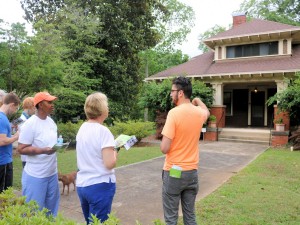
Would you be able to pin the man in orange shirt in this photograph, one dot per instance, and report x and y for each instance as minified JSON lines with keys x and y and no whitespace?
{"x":180,"y":143}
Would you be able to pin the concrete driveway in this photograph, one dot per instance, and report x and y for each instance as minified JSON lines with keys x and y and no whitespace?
{"x":138,"y":196}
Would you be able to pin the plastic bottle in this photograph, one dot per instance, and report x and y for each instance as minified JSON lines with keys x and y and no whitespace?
{"x":60,"y":140}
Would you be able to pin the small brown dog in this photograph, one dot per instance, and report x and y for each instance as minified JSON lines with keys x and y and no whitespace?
{"x":67,"y":179}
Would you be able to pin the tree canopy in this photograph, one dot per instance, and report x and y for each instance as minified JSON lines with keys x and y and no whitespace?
{"x":86,"y":46}
{"x":282,"y":11}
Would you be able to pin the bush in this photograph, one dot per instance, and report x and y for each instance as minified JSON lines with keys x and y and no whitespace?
{"x":139,"y":129}
{"x":69,"y":130}
{"x":14,"y":210}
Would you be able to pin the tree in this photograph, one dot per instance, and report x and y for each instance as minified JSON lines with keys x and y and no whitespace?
{"x":207,"y":34}
{"x":13,"y":38}
{"x":120,"y":31}
{"x":154,"y":61}
{"x":282,"y":11}
{"x":156,"y":96}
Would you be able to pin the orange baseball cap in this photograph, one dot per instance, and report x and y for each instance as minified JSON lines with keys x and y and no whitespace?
{"x":43,"y":96}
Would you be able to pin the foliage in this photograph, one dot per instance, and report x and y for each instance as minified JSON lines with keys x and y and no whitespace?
{"x":29,"y":64}
{"x":289,"y":99}
{"x":282,"y":11}
{"x":208,"y":34}
{"x":138,"y":128}
{"x":69,"y":130}
{"x":154,"y":61}
{"x":100,"y":41}
{"x":265,"y":192}
{"x":156,"y":96}
{"x":70,"y":104}
{"x":212,"y":118}
{"x":14,"y":210}
{"x":279,"y":120}
{"x":174,"y":26}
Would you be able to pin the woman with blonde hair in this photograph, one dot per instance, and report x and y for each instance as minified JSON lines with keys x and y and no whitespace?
{"x":28,"y":110}
{"x":96,"y":158}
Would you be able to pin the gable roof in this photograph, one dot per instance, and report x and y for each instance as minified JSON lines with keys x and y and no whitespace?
{"x":204,"y":66}
{"x":256,"y":29}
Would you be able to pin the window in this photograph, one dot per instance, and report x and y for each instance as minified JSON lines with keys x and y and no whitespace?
{"x":227,"y":100}
{"x":268,"y":48}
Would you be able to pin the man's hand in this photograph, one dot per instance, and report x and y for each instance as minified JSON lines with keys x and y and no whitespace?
{"x":198,"y":102}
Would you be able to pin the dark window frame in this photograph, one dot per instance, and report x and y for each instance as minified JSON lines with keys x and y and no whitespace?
{"x":249,"y":50}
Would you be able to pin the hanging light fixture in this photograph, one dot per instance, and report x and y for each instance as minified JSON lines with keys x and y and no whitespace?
{"x":255,"y":89}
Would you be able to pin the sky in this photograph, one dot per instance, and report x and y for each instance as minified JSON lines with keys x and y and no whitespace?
{"x":208,"y":13}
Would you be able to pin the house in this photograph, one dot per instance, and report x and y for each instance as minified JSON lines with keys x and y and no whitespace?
{"x":247,"y":64}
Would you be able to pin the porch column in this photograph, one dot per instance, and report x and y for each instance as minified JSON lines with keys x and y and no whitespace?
{"x":281,"y":138}
{"x":281,"y":85}
{"x":218,"y":109}
{"x":218,"y":94}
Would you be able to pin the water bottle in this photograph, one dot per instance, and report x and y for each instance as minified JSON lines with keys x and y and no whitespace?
{"x":60,"y":140}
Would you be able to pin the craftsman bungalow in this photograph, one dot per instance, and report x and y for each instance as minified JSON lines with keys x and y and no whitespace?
{"x":247,"y":64}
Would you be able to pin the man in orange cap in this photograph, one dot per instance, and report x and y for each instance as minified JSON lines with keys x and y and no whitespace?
{"x":37,"y":137}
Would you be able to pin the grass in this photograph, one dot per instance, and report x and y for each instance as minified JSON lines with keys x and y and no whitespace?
{"x":266,"y":192}
{"x":66,"y":161}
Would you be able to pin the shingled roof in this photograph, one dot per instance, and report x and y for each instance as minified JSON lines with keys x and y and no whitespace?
{"x":254,"y":27}
{"x":205,"y":66}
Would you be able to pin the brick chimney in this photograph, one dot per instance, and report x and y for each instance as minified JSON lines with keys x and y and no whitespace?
{"x":238,"y":18}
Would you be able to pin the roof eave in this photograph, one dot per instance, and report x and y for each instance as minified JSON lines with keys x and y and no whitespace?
{"x":212,"y":42}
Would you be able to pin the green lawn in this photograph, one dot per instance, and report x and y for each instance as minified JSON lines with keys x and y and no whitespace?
{"x":266,"y":192}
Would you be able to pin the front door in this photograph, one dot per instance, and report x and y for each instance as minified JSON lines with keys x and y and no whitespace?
{"x":257,"y":108}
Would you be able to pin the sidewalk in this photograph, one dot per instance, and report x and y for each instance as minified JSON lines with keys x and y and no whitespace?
{"x":138,"y":196}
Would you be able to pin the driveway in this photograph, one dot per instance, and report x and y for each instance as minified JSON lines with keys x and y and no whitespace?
{"x":138,"y":196}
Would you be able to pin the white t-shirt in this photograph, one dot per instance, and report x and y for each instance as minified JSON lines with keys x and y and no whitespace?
{"x":90,"y":140}
{"x":39,"y":133}
{"x":22,"y":117}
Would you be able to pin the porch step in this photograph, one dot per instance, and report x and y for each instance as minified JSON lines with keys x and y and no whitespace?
{"x":247,"y":135}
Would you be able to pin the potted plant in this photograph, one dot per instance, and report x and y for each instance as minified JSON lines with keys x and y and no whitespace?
{"x":212,"y":121}
{"x":279,"y":125}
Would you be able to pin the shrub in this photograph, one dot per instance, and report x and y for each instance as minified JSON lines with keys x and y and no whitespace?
{"x":69,"y":130}
{"x":15,"y":210}
{"x":139,"y":129}
{"x":279,"y":120}
{"x":212,"y":118}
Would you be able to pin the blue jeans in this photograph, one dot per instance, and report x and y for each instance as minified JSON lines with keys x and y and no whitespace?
{"x":176,"y":189}
{"x":45,"y":191}
{"x":97,"y":200}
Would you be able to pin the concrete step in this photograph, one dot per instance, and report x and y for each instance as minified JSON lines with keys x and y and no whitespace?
{"x":247,"y":135}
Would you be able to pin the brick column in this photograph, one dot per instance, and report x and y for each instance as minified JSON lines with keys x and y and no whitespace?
{"x":279,"y":138}
{"x":210,"y":134}
{"x":219,"y":111}
{"x":284,"y":115}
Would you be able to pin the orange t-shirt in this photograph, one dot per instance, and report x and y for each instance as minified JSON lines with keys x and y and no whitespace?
{"x":183,"y":126}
